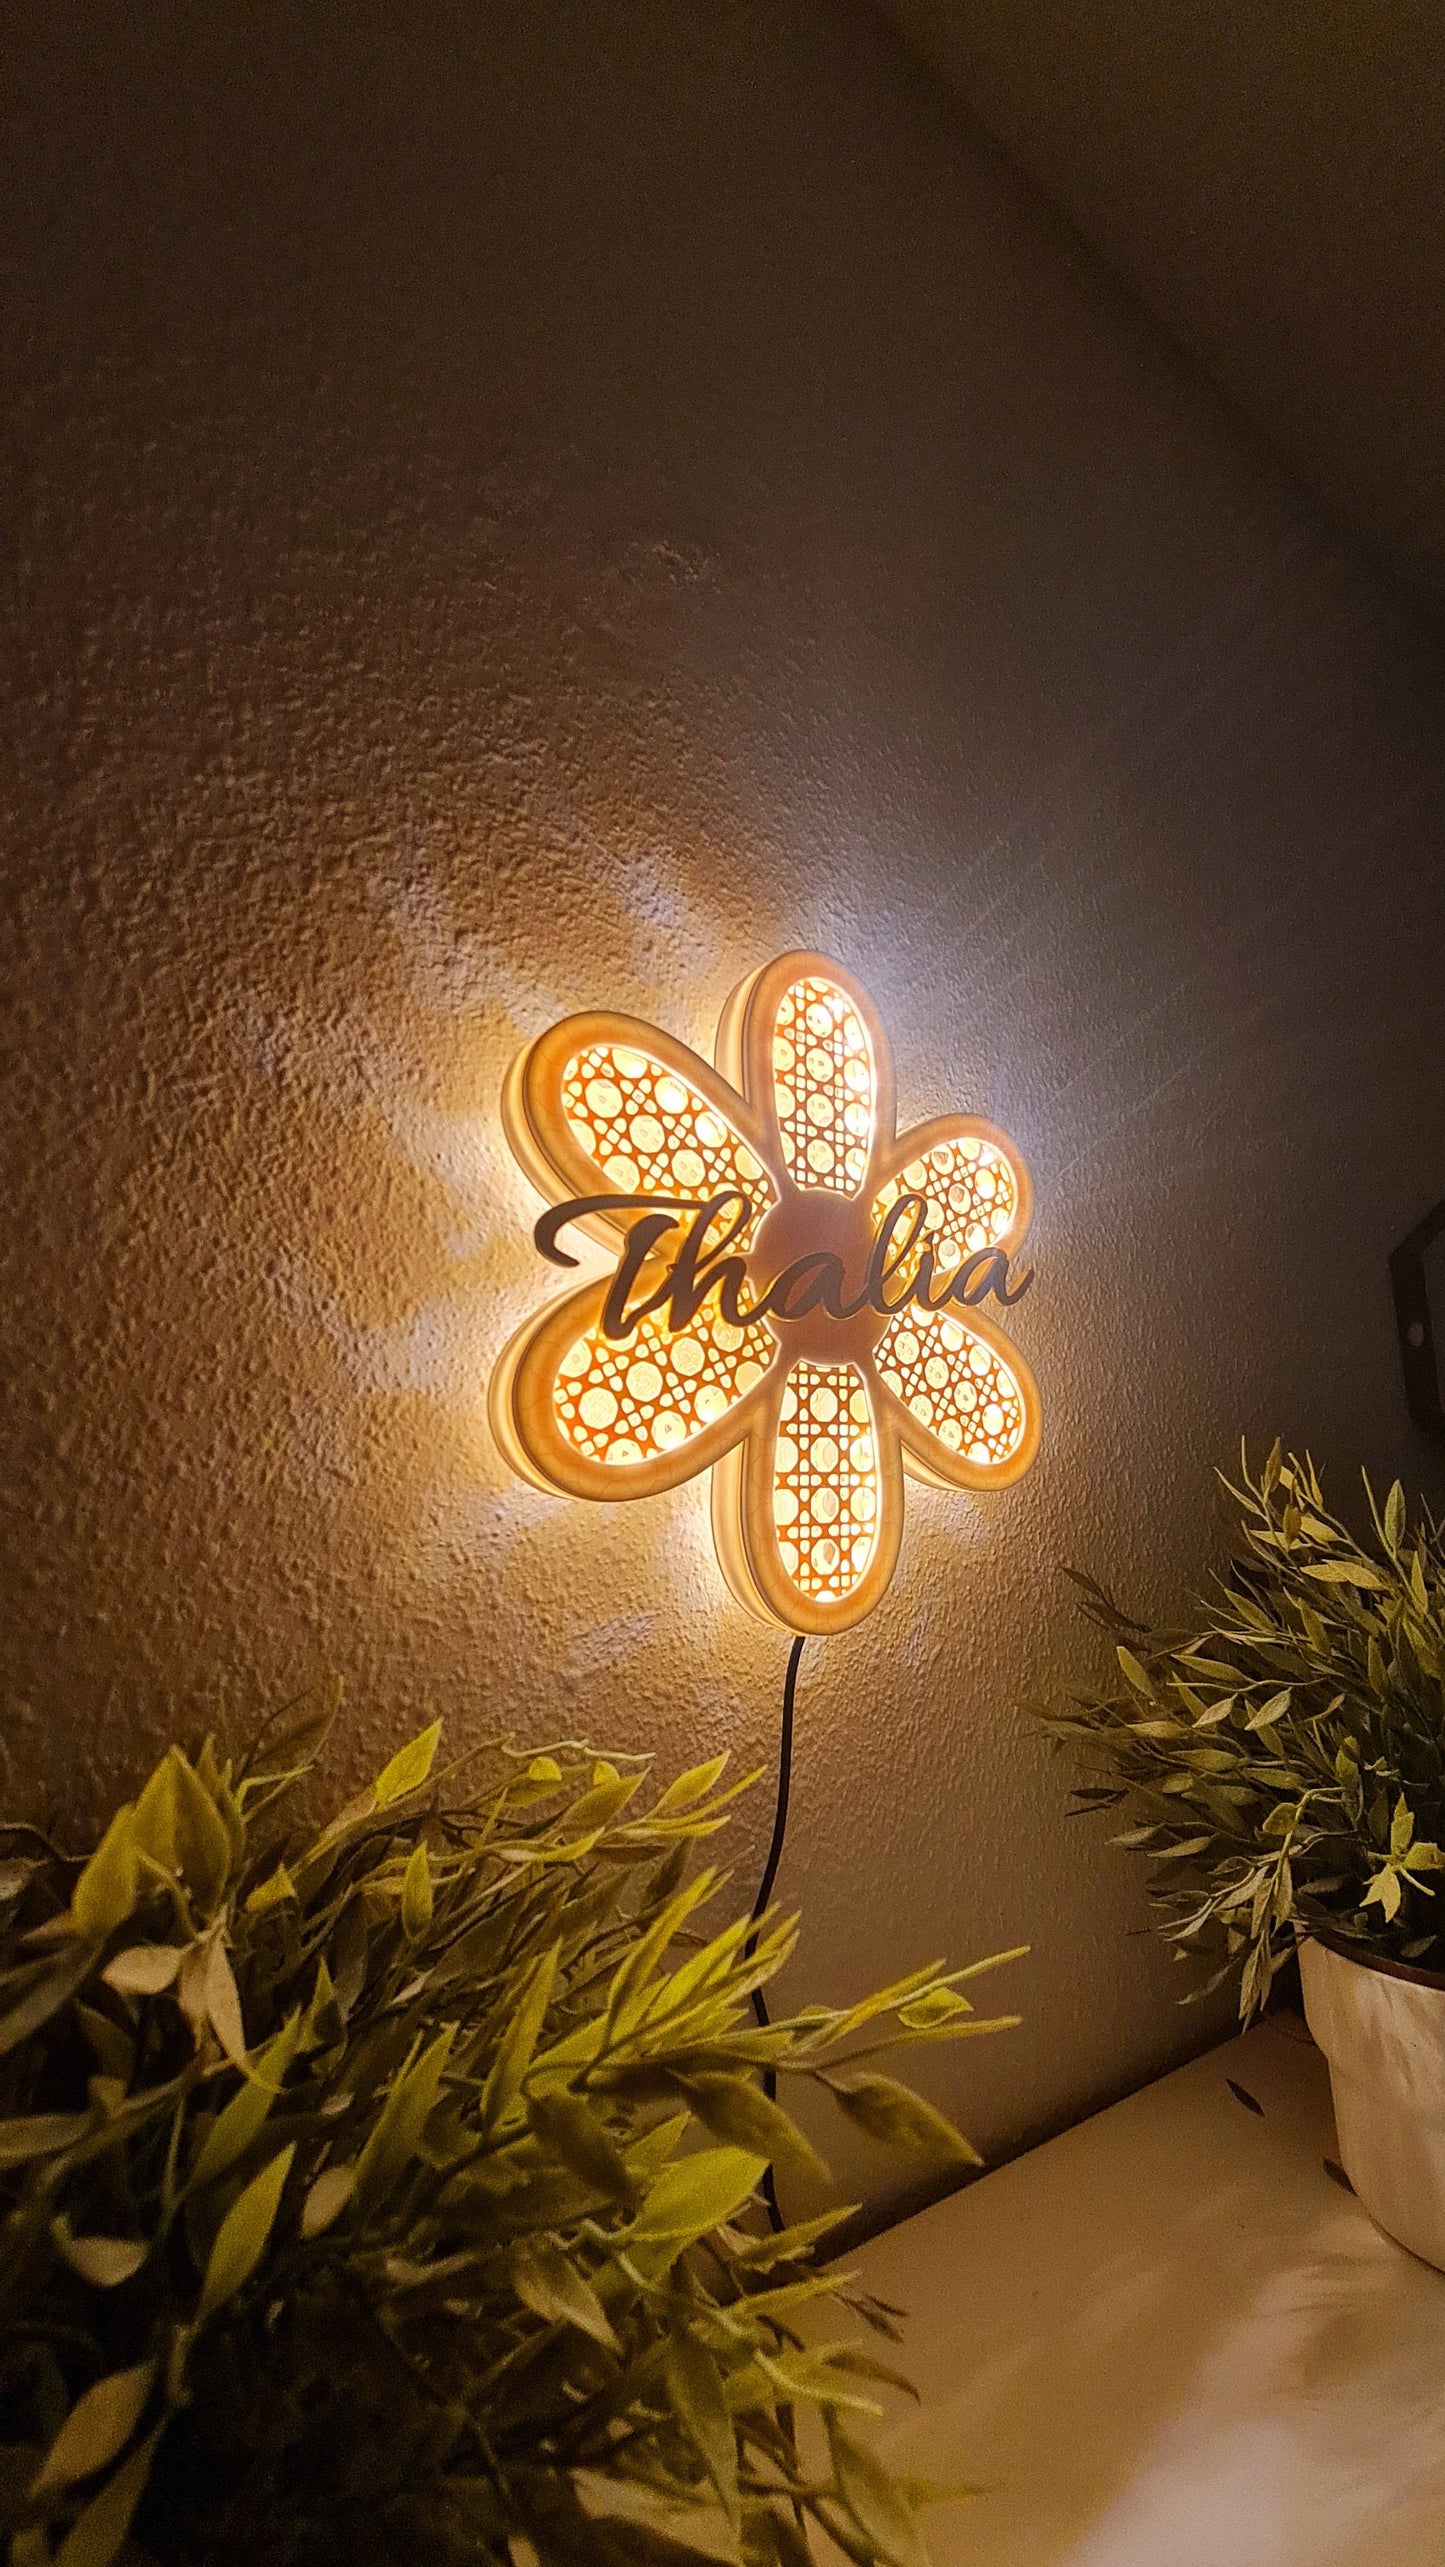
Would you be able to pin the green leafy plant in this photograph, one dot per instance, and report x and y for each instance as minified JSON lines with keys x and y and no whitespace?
{"x":1285,"y":1753}
{"x":387,"y":2188}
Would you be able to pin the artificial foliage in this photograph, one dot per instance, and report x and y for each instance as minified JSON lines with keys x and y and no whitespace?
{"x":1283,"y":1754}
{"x":387,"y":2189}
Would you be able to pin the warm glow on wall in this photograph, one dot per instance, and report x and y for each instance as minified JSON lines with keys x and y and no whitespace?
{"x":796,"y":1299}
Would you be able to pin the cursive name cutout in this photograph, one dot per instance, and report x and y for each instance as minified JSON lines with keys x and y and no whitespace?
{"x":700,"y":1265}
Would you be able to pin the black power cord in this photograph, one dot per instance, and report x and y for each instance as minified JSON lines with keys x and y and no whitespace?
{"x":765,"y":1890}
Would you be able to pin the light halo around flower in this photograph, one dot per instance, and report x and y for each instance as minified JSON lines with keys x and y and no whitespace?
{"x":808,"y":1425}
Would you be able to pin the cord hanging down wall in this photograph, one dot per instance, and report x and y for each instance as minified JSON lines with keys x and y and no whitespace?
{"x":765,"y":1889}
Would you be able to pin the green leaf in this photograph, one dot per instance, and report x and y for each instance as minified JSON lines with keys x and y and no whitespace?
{"x":111,"y":2047}
{"x":877,"y":2506}
{"x":1402,"y":1827}
{"x":143,"y":1969}
{"x":100,"y":2533}
{"x":695,"y":2388}
{"x":214,"y":1778}
{"x":692,"y":1786}
{"x":274,"y":1891}
{"x":103,"y":2261}
{"x":514,"y":2051}
{"x":771,"y":2538}
{"x":549,"y":2284}
{"x":570,"y":1849}
{"x":40,"y":2134}
{"x":1314,"y":1630}
{"x":807,"y":2377}
{"x":242,"y":2235}
{"x":178,"y":1824}
{"x":633,"y":1973}
{"x":736,"y":2109}
{"x":569,"y":2127}
{"x":416,"y":1894}
{"x":698,"y":2193}
{"x":396,"y":2138}
{"x":231,"y":2134}
{"x":110,"y":1883}
{"x":223,"y":2004}
{"x":325,"y":2019}
{"x":1134,"y":1672}
{"x":1384,"y":1888}
{"x":645,"y":2158}
{"x":787,"y":2296}
{"x":1269,"y":1712}
{"x":409,"y":1768}
{"x":602,"y":1803}
{"x":1395,"y":1516}
{"x":99,"y":2425}
{"x":1346,"y":1573}
{"x":940,"y":2005}
{"x":705,"y":1968}
{"x":327,"y":2199}
{"x":759,"y":2254}
{"x":207,"y":1994}
{"x":901,"y":2119}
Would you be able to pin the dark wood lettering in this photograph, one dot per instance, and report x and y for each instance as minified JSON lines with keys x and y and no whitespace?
{"x":884,"y":1261}
{"x":617,"y":1320}
{"x":697,"y":1270}
{"x":985,"y":1272}
{"x":702,"y":1265}
{"x":809,"y":1283}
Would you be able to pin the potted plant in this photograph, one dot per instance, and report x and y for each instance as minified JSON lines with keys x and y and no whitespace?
{"x":385,"y":2188}
{"x":1284,"y":1758}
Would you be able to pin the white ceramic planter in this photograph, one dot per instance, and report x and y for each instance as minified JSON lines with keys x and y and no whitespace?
{"x":1382,"y":2028}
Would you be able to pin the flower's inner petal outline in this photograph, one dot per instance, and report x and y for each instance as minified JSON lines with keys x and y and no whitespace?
{"x":825,"y":1481}
{"x":627,"y":1404}
{"x":651,"y":1132}
{"x":824,"y":1087}
{"x":971,"y":1193}
{"x":953,"y":1384}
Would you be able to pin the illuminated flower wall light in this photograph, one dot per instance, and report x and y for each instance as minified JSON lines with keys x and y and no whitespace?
{"x":796,"y":1300}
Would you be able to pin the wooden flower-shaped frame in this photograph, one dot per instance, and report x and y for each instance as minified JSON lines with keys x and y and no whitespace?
{"x":808,"y":1415}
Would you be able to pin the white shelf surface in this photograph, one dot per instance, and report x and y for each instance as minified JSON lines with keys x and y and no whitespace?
{"x":1169,"y":2339}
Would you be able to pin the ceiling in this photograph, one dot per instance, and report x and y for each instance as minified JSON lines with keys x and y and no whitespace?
{"x":1269,"y":175}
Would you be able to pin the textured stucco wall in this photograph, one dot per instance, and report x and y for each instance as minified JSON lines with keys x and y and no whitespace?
{"x":516,"y":508}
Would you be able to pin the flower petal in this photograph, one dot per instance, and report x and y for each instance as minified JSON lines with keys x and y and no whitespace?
{"x":963,"y":1398}
{"x":822,"y":1088}
{"x":803,"y":1040}
{"x":972,"y":1180}
{"x":604,"y":1105}
{"x":807,"y":1511}
{"x":574,"y":1410}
